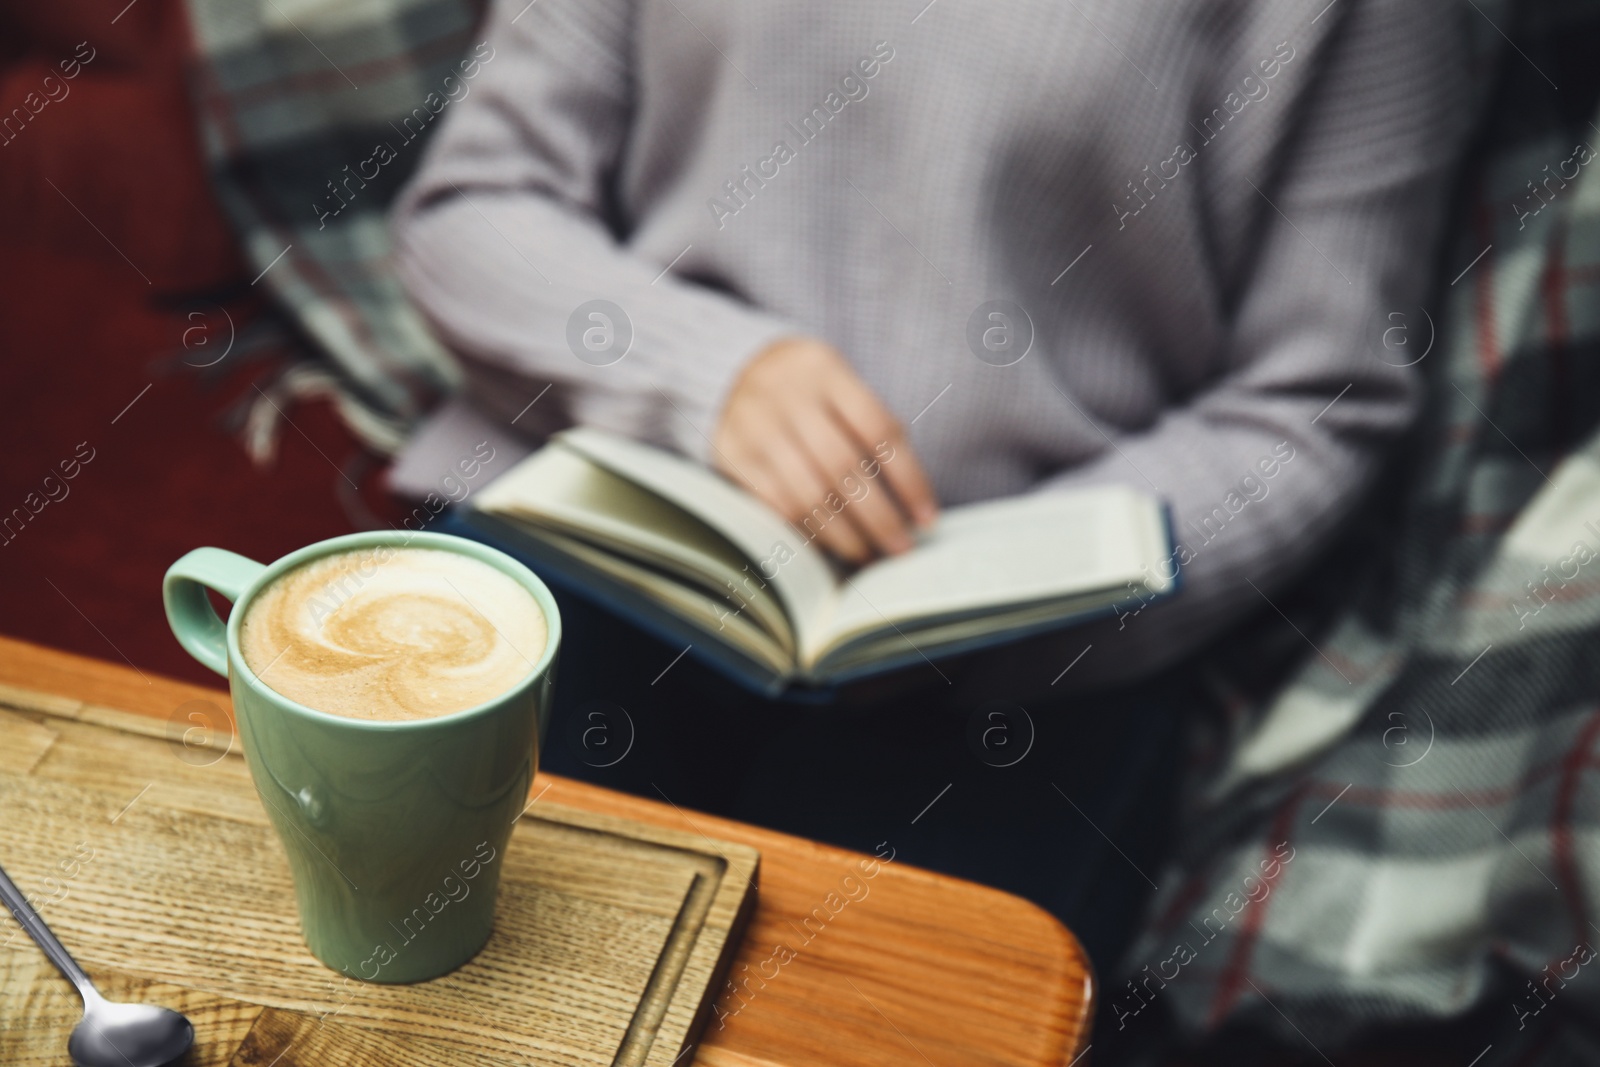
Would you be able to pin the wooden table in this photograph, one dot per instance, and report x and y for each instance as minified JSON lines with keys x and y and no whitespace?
{"x":925,"y":969}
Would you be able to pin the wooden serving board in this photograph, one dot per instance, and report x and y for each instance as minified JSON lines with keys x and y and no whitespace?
{"x":155,"y":865}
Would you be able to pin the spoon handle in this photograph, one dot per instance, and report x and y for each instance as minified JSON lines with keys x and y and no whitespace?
{"x":29,"y":918}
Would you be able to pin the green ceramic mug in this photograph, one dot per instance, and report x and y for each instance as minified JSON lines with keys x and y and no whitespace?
{"x":394,"y":830}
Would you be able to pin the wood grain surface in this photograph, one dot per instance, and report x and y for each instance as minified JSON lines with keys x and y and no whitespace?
{"x":608,"y":933}
{"x":899,"y":966}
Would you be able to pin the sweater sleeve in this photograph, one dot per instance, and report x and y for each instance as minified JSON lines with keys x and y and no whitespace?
{"x":505,"y":238}
{"x":1317,"y":391}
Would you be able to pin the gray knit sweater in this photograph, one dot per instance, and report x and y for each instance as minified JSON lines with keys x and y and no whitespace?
{"x":1066,"y":241}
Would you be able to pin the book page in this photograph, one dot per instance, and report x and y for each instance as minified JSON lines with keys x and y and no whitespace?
{"x":1017,"y":551}
{"x":558,"y":491}
{"x":794,"y":568}
{"x":703,"y":611}
{"x":876,"y":647}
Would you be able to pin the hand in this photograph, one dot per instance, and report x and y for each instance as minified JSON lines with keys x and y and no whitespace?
{"x":807,"y":436}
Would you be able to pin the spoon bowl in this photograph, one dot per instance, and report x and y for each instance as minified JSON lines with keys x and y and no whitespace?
{"x":120,"y":1035}
{"x":110,"y":1034}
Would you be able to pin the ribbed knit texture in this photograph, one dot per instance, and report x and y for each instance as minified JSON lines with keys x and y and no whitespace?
{"x":1244,"y":190}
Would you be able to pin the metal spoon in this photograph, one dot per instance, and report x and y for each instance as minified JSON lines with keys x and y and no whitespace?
{"x":110,"y":1034}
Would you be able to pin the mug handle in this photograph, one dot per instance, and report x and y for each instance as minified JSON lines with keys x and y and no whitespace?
{"x":193,"y":620}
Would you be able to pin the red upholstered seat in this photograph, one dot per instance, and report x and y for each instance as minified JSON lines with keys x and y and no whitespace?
{"x":113,"y":253}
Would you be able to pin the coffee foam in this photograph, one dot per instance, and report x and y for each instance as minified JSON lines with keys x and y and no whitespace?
{"x":393,"y":633}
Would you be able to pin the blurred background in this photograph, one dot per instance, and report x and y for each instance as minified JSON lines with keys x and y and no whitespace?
{"x":131,"y":332}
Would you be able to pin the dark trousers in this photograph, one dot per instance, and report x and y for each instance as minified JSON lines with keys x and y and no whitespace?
{"x":1067,"y":803}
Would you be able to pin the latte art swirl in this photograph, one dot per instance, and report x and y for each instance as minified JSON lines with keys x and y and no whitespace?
{"x":393,"y":633}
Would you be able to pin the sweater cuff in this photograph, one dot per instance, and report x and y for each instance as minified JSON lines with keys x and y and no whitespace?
{"x":698,"y":344}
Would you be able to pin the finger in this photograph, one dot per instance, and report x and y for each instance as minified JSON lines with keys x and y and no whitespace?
{"x":840,"y":538}
{"x":756,"y":476}
{"x":796,"y":487}
{"x":764,"y":458}
{"x":904,"y":473}
{"x":883,"y":439}
{"x":735,"y":456}
{"x":834,"y":450}
{"x":810,"y":512}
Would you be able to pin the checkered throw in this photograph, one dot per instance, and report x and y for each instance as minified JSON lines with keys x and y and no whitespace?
{"x":1406,"y":833}
{"x":312,"y":114}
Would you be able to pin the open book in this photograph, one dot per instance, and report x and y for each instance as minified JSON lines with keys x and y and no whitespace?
{"x":677,"y":545}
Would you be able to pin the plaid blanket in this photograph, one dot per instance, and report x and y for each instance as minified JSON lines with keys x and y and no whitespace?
{"x":312,"y":114}
{"x":1406,"y":832}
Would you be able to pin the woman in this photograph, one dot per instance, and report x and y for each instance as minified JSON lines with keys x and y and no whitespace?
{"x":1032,"y":245}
